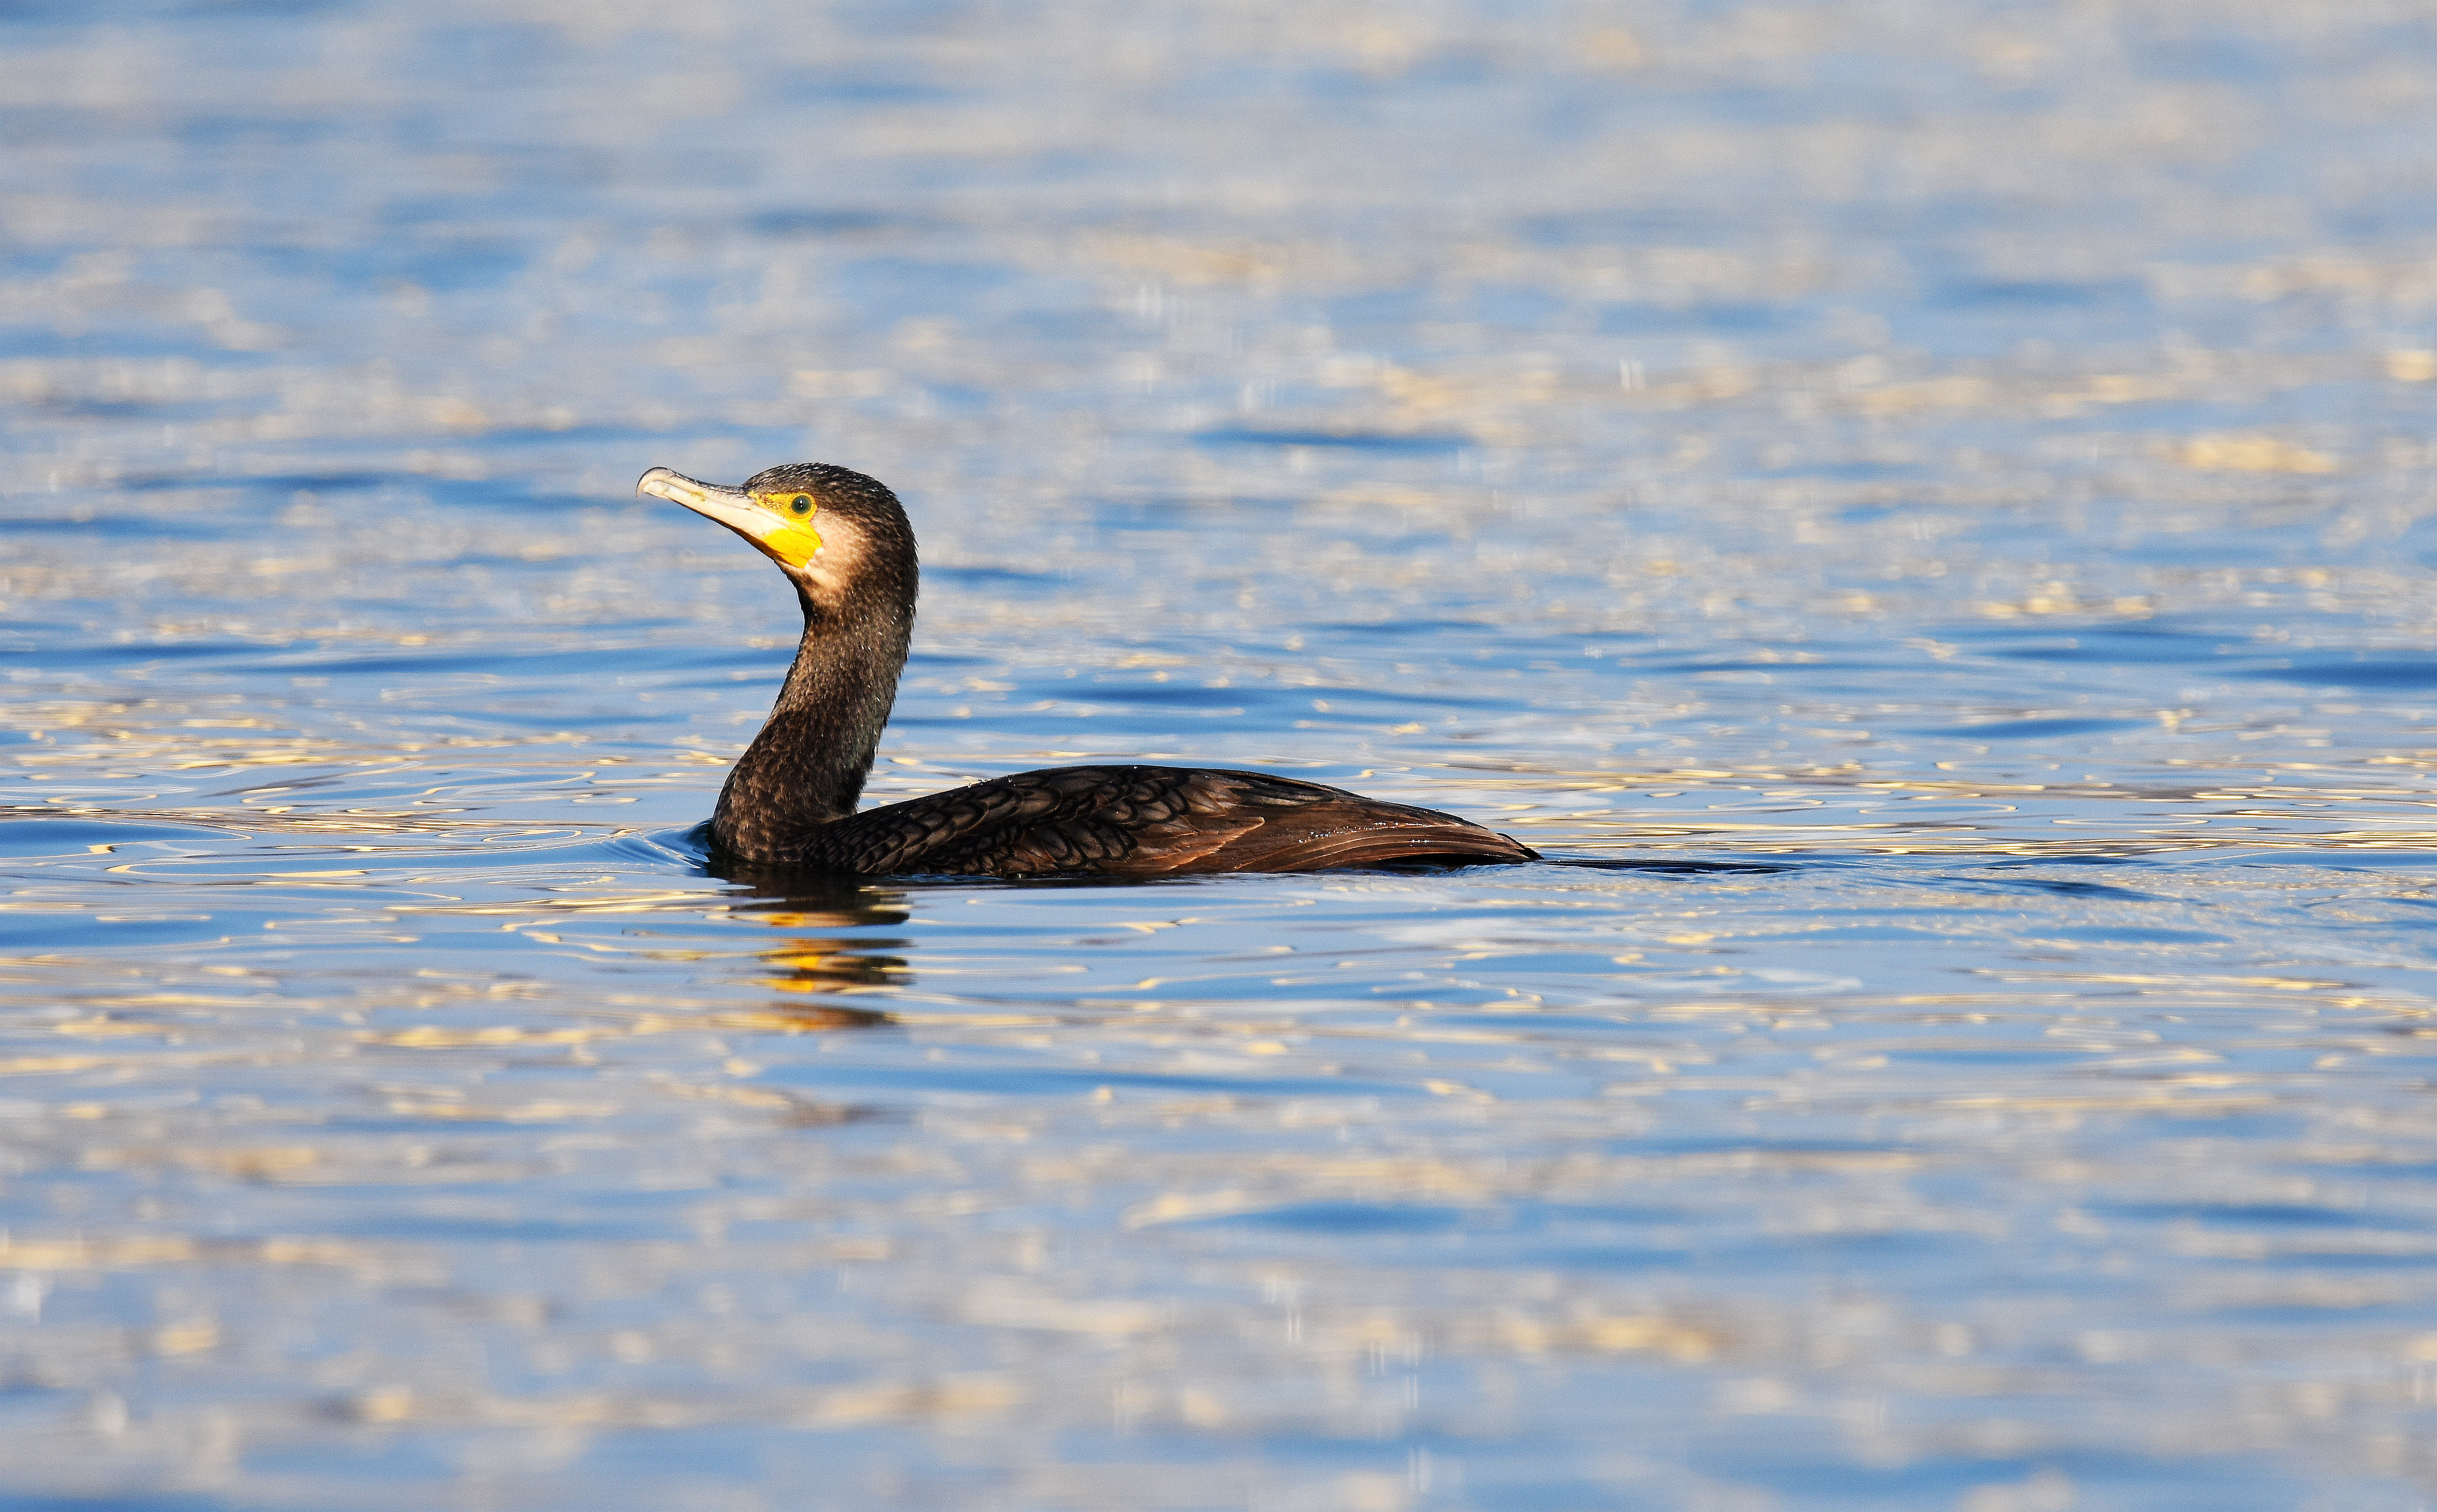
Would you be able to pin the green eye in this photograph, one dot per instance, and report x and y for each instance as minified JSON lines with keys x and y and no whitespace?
{"x":801,"y":504}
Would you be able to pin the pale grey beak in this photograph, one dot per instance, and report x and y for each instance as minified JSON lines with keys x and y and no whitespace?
{"x":731,"y":507}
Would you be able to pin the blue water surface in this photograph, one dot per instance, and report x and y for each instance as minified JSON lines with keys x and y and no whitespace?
{"x":1925,"y":517}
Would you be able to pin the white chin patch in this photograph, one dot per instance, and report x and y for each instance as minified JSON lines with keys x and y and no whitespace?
{"x":839,"y":561}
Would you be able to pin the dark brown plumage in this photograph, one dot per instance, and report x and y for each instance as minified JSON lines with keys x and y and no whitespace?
{"x":844,"y":541}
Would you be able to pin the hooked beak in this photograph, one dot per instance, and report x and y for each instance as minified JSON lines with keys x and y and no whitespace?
{"x":789,"y":543}
{"x":731,"y":507}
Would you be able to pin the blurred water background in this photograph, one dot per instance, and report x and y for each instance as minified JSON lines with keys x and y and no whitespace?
{"x":1924,"y":508}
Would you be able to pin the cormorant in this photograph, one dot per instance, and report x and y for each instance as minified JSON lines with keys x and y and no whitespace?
{"x":843,"y":540}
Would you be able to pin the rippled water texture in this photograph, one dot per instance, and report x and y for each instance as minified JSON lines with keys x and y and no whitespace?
{"x":1923,"y":511}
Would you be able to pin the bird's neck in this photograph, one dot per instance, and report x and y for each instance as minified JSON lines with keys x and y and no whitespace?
{"x":807,"y":767}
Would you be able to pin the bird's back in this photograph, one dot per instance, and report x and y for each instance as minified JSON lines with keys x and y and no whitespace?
{"x":1142,"y":821}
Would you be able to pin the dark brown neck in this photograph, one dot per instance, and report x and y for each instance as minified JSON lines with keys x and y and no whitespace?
{"x":806,"y":768}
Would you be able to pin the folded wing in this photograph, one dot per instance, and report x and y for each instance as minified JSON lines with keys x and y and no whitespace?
{"x":1145,"y":821}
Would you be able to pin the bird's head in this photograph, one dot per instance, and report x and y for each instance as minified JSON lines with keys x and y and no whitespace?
{"x":840,"y":536}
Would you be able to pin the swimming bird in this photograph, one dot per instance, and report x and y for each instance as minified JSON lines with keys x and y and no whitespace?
{"x":844,"y":541}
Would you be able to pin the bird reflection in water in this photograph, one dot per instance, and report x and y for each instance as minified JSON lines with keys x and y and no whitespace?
{"x":816,"y":965}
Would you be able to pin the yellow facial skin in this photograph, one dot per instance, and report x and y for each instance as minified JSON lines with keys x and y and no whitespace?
{"x":780,"y":524}
{"x":793,"y":541}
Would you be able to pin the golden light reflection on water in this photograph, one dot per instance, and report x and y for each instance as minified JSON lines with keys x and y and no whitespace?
{"x":1924,"y":522}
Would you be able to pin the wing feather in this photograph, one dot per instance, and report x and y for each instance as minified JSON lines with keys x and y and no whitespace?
{"x":1142,"y":822}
